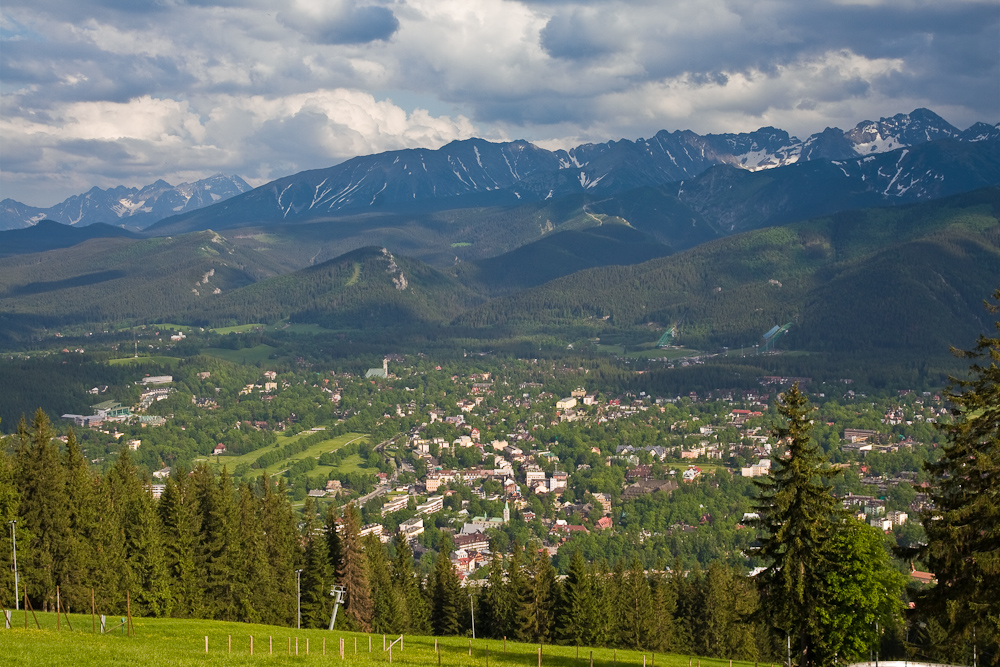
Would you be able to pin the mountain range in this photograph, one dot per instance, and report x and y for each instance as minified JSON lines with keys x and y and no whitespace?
{"x":475,"y":172}
{"x":479,"y":173}
{"x":133,"y":207}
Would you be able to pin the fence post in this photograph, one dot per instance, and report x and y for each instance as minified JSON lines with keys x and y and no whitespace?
{"x":539,"y":656}
{"x":128,"y":611}
{"x":6,"y":615}
{"x":206,"y":636}
{"x":307,"y":646}
{"x":270,"y":644}
{"x":229,"y":640}
{"x":251,"y":644}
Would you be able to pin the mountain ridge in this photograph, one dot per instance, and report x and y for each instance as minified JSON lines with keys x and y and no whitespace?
{"x":135,"y":207}
{"x":476,"y":172}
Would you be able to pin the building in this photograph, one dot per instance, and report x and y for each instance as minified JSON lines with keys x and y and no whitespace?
{"x":157,"y":379}
{"x":433,"y":504}
{"x":566,"y":403}
{"x":411,"y":528}
{"x":394,"y":504}
{"x":381,"y":373}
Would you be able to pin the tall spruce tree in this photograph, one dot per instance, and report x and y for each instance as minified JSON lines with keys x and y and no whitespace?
{"x":283,"y":549}
{"x":145,"y":577}
{"x":495,"y":600}
{"x":81,"y":509}
{"x":445,"y":593}
{"x":217,"y":543}
{"x":963,"y":528}
{"x":353,"y":575}
{"x":43,"y":509}
{"x":10,"y":500}
{"x":577,"y":604}
{"x":388,"y":605}
{"x":417,"y":613}
{"x":635,"y":604}
{"x":797,"y":518}
{"x":252,"y":574}
{"x":317,"y":575}
{"x":538,"y":597}
{"x":178,"y":519}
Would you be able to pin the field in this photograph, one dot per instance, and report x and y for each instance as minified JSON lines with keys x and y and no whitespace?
{"x":182,"y":642}
{"x":314,"y":451}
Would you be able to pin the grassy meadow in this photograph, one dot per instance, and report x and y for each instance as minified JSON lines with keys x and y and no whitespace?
{"x":182,"y":642}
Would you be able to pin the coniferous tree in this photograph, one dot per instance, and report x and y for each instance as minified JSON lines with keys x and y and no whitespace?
{"x":797,"y":517}
{"x":445,"y":593}
{"x":43,"y":509}
{"x":334,"y":545}
{"x":281,"y":542}
{"x":144,"y":577}
{"x":9,"y":502}
{"x":180,"y":534}
{"x":576,"y":609}
{"x":665,"y":604}
{"x":538,"y":597}
{"x":602,"y":629}
{"x":416,"y":611}
{"x":495,"y":603}
{"x":317,"y":575}
{"x":730,"y":602}
{"x":635,"y":604}
{"x":251,"y":573}
{"x":388,"y":606}
{"x":81,"y":507}
{"x":963,"y":528}
{"x":217,"y":541}
{"x":353,"y":575}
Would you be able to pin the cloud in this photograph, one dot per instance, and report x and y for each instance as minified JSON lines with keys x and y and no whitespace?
{"x":340,"y":21}
{"x":96,"y":92}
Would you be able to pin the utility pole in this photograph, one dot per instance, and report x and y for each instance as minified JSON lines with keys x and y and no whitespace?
{"x":13,"y":537}
{"x":298,"y":597}
{"x":472,"y":610}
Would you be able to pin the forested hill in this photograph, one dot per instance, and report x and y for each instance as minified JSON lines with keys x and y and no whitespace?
{"x":115,"y":280}
{"x":876,"y":278}
{"x":368,"y":287}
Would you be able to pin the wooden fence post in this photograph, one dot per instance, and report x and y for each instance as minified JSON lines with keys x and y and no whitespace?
{"x":229,"y":639}
{"x":539,"y":656}
{"x":206,"y":643}
{"x":128,"y":611}
{"x":470,"y":648}
{"x":251,"y":644}
{"x":307,"y":646}
{"x":270,"y":644}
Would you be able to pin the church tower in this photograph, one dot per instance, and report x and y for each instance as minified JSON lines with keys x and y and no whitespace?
{"x":506,"y":512}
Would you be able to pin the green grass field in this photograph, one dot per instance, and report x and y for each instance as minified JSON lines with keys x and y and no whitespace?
{"x":239,"y":328}
{"x":182,"y":642}
{"x":314,"y":451}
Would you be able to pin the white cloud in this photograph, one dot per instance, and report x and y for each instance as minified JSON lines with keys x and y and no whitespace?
{"x":199,"y":86}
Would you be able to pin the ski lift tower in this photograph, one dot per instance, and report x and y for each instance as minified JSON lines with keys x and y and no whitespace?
{"x":338,"y":598}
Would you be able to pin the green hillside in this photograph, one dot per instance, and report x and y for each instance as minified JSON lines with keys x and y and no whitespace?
{"x":834,"y":278}
{"x":561,"y":254}
{"x":365,"y":288}
{"x":117,"y":280}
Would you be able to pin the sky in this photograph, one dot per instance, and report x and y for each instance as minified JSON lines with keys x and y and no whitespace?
{"x":125,"y":92}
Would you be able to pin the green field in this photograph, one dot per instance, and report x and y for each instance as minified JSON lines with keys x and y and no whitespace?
{"x":314,"y":451}
{"x":250,"y":355}
{"x":182,"y":642}
{"x":239,"y":328}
